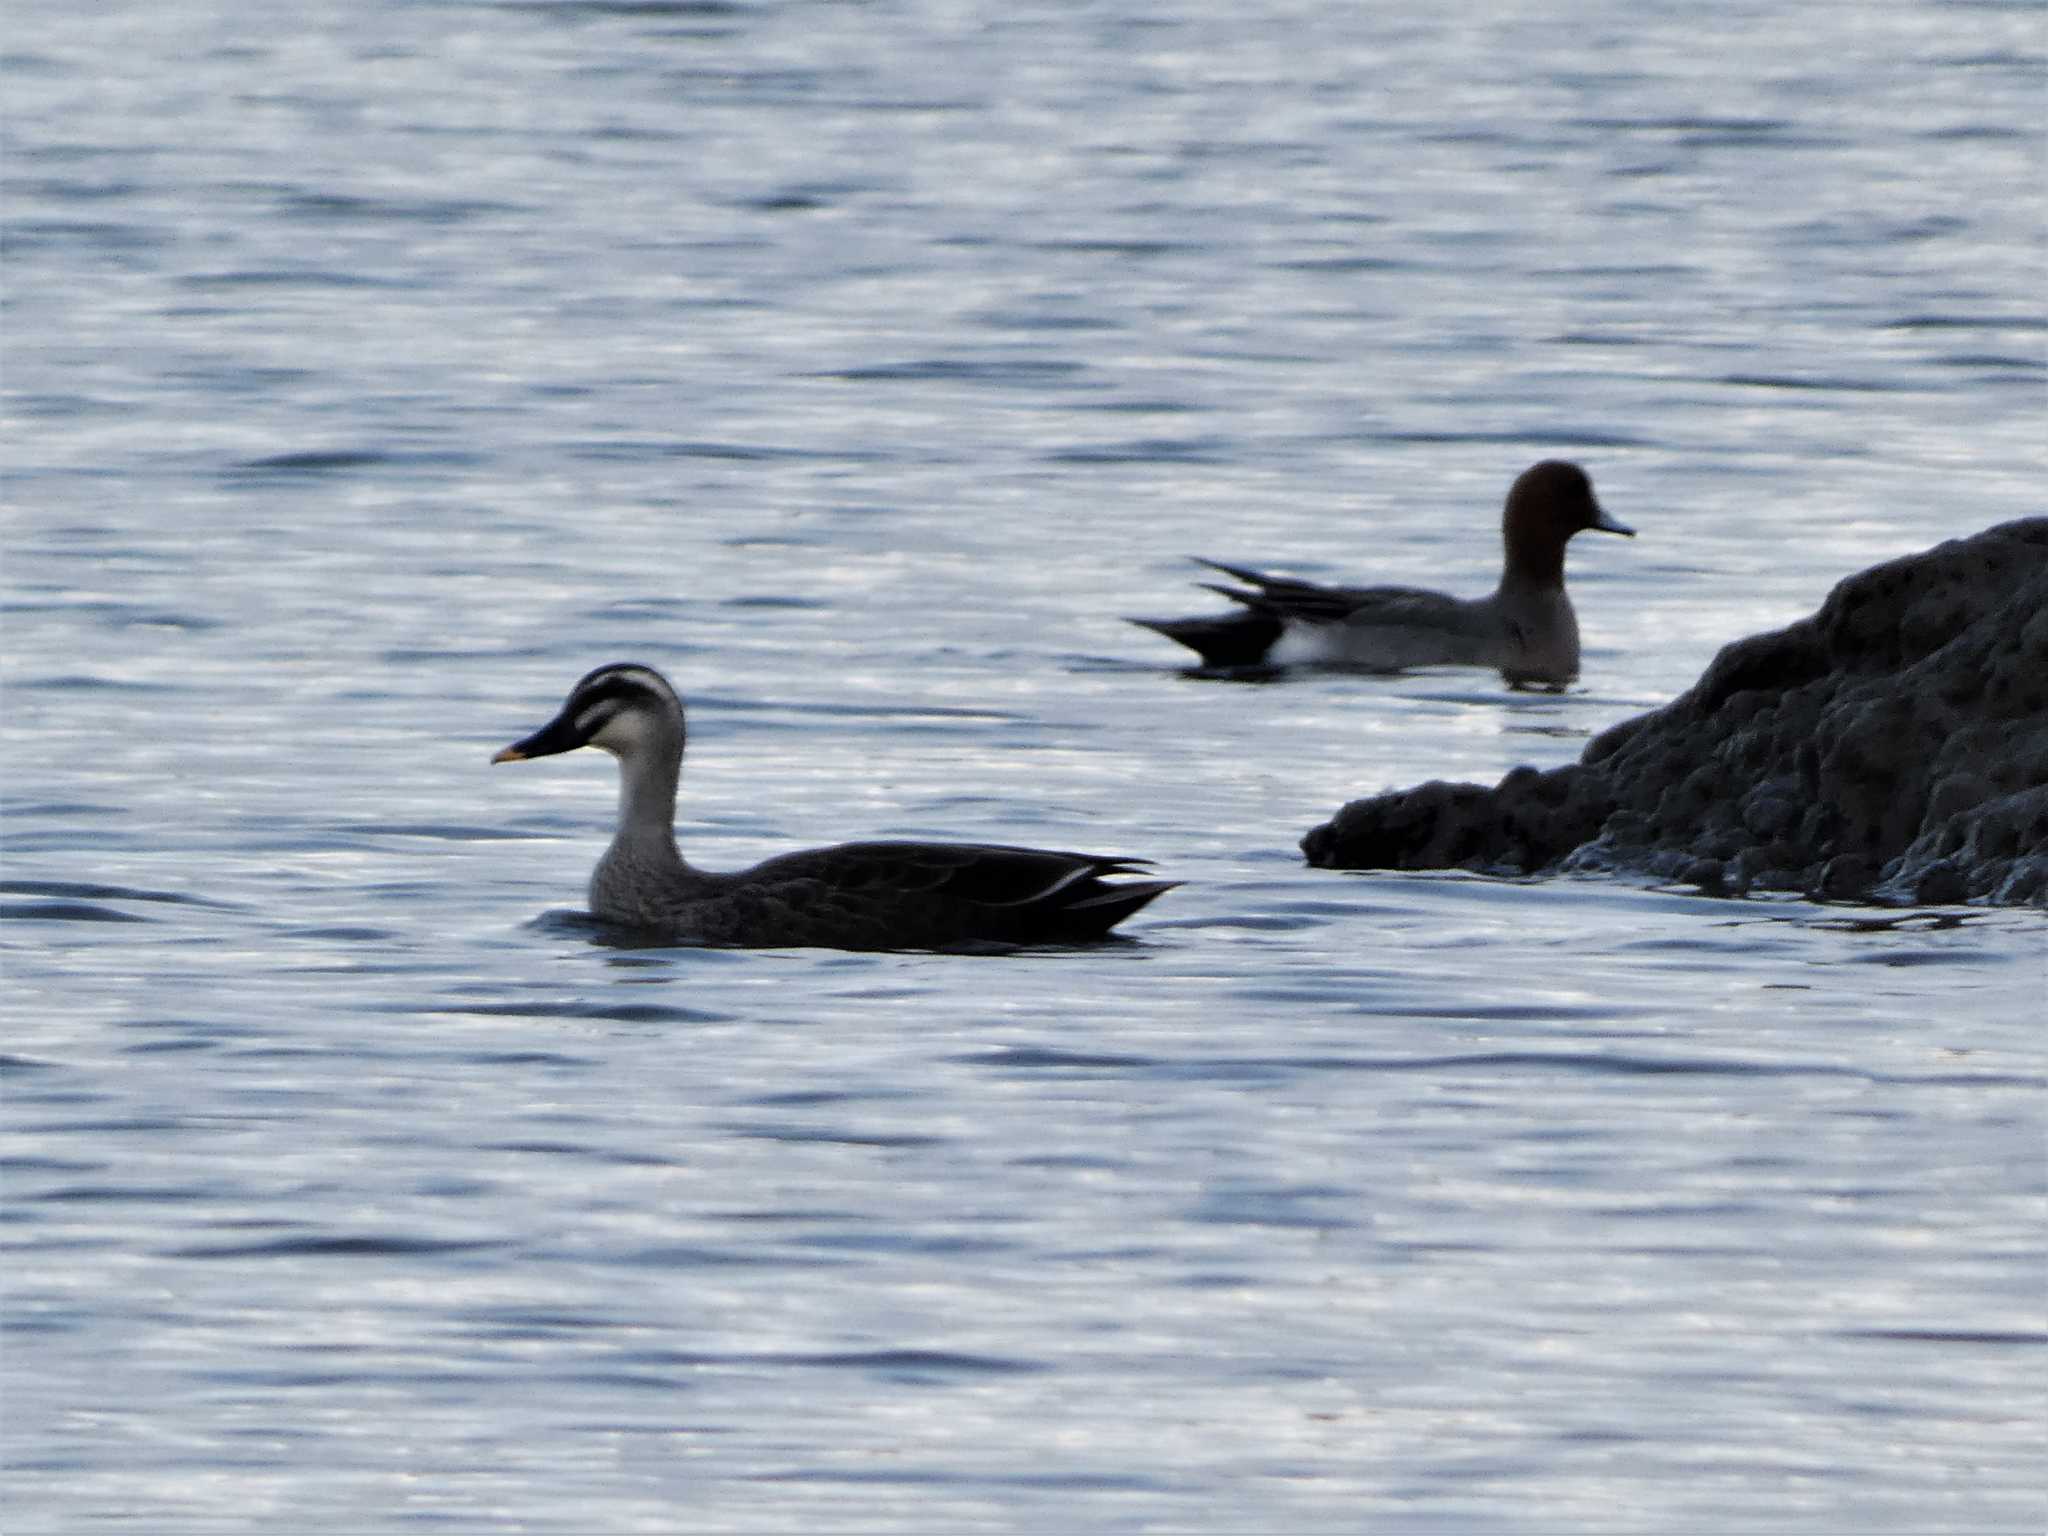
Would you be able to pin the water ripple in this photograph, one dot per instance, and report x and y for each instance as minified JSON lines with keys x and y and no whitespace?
{"x":351,"y":1246}
{"x":866,"y":362}
{"x":64,"y":912}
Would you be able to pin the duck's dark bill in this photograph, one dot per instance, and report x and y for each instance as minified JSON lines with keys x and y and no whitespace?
{"x":558,"y":735}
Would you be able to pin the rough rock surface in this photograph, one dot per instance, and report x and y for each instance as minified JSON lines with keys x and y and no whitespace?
{"x":1894,"y":746}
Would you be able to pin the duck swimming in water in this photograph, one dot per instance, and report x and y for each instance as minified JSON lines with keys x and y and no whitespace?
{"x":878,"y":895}
{"x":1525,"y":628}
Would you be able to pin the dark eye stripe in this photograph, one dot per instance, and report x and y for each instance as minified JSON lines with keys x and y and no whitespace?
{"x":603,"y":697}
{"x":615,"y":689}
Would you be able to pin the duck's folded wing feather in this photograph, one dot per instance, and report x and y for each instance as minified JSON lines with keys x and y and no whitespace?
{"x":887,"y":895}
{"x":986,"y":874}
{"x":1307,"y":602}
{"x":1279,"y":595}
{"x":1410,"y":608}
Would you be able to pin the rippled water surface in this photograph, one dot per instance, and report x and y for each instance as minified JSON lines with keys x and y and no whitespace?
{"x":373,"y":370}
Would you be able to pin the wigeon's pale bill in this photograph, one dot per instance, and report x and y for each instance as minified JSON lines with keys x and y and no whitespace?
{"x":879,"y":895}
{"x":1525,"y":628}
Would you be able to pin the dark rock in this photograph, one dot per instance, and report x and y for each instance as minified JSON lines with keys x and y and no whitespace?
{"x":1940,"y":883}
{"x":1844,"y":877}
{"x":1893,"y":745}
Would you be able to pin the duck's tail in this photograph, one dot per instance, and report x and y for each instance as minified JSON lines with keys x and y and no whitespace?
{"x":1224,"y":640}
{"x":1094,"y":915}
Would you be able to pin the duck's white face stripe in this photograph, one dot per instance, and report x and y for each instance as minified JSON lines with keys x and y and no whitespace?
{"x":623,"y":728}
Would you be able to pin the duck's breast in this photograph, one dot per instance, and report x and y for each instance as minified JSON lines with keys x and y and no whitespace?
{"x":1541,"y":637}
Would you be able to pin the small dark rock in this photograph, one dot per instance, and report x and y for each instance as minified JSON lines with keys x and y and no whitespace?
{"x":1709,"y":875}
{"x":1845,"y":877}
{"x":1940,"y":884}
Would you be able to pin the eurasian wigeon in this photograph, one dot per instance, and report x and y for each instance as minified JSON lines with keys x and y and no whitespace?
{"x":1525,"y":627}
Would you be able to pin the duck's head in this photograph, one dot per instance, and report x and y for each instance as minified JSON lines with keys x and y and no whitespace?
{"x":623,"y":708}
{"x":1547,"y":504}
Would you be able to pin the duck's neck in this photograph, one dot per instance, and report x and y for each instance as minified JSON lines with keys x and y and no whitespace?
{"x":1533,"y":564}
{"x":647,"y":805}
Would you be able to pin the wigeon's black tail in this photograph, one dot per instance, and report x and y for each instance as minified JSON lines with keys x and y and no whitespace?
{"x":1222,"y":640}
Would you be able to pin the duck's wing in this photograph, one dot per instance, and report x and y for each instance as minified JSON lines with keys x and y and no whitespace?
{"x":1308,"y":602}
{"x":909,"y":895}
{"x":1413,"y":608}
{"x":1382,"y":628}
{"x":1281,"y":597}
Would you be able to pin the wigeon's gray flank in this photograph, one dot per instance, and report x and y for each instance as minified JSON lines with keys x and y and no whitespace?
{"x":1525,"y":627}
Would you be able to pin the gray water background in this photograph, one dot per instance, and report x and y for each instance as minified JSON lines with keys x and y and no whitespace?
{"x":373,"y":369}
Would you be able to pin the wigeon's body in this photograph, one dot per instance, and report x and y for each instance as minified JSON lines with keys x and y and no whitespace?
{"x":880,"y":895}
{"x":1524,"y":628}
